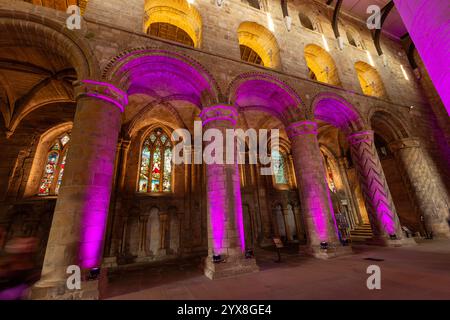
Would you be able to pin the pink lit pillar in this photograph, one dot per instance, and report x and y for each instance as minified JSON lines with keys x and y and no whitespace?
{"x":313,"y":188}
{"x":428,"y":25}
{"x":79,"y":221}
{"x":382,"y":214}
{"x":225,"y":221}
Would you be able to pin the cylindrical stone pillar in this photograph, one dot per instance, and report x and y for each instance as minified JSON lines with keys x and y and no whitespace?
{"x":80,"y":217}
{"x":226,"y":240}
{"x":313,"y":190}
{"x":429,"y":192}
{"x":378,"y":199}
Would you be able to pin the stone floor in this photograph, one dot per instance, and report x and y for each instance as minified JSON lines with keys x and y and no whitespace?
{"x":420,"y":272}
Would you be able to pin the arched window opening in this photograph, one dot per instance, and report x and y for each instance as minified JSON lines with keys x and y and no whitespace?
{"x":321,"y":65}
{"x":260,"y":41}
{"x":170,"y":32}
{"x":60,"y":5}
{"x":156,"y":163}
{"x":351,"y":39}
{"x":369,"y":80}
{"x":306,"y":21}
{"x":280,"y":168}
{"x":174,"y":20}
{"x":54,"y":167}
{"x":381,"y":146}
{"x":253,"y":3}
{"x":249,"y":55}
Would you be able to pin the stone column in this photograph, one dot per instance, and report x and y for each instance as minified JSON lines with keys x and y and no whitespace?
{"x":427,"y":24}
{"x":356,"y":215}
{"x":428,"y":190}
{"x":313,"y":191}
{"x":287,"y":228}
{"x":79,"y":221}
{"x":224,"y":206}
{"x":380,"y":207}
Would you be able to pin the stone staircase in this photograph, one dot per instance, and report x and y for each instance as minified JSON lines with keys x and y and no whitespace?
{"x":361,"y":233}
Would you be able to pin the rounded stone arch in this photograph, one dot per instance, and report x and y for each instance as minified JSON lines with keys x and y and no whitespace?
{"x":262,"y":41}
{"x":255,"y":90}
{"x":29,"y":30}
{"x":353,"y":37}
{"x":389,"y":126}
{"x":321,"y":65}
{"x":35,"y":32}
{"x":338,"y":112}
{"x":167,"y":73}
{"x":178,"y":13}
{"x":370,"y":80}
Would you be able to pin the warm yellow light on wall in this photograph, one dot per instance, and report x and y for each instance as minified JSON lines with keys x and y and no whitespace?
{"x":321,"y":64}
{"x":179,"y":13}
{"x":325,"y":43}
{"x":270,"y":23}
{"x":262,"y":41}
{"x":369,"y":56}
{"x":404,"y":72}
{"x":369,"y":80}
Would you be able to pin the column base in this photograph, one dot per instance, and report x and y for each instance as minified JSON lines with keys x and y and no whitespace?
{"x":386,"y":242}
{"x":230,"y":267}
{"x":333,"y":251}
{"x":59,"y":291}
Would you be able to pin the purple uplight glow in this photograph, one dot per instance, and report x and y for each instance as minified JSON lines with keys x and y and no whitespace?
{"x":93,"y":226}
{"x":217,"y":196}
{"x":106,"y":96}
{"x":428,"y":25}
{"x":238,"y":208}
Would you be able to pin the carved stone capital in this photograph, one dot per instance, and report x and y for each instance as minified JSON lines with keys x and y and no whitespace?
{"x":404,"y":143}
{"x":301,"y":128}
{"x":101,"y":90}
{"x":362,"y":136}
{"x":219,"y":113}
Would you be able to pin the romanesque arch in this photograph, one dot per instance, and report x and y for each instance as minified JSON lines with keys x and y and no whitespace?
{"x":262,"y":42}
{"x":370,"y":80}
{"x":163,"y":75}
{"x":421,"y":201}
{"x":43,"y":40}
{"x":321,"y":65}
{"x":175,"y":20}
{"x":262,"y":91}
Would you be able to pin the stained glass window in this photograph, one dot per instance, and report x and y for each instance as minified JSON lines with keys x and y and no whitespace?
{"x":279,"y":167}
{"x":54,"y":167}
{"x":156,"y":163}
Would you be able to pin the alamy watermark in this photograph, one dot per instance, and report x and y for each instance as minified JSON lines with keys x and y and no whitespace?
{"x":237,"y":146}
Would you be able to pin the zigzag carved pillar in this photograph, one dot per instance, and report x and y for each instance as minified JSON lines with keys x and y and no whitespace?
{"x":429,"y":192}
{"x":380,"y":207}
{"x":80,"y":217}
{"x":313,"y":190}
{"x":224,"y":205}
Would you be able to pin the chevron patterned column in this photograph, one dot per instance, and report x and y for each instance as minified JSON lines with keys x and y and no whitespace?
{"x":313,"y":190}
{"x":378,"y":199}
{"x":428,"y":190}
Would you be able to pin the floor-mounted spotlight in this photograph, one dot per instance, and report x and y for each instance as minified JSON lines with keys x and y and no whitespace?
{"x":324,"y":245}
{"x":217,"y":258}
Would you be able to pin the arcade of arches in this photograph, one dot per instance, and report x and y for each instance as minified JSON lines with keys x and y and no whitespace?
{"x":87,"y":151}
